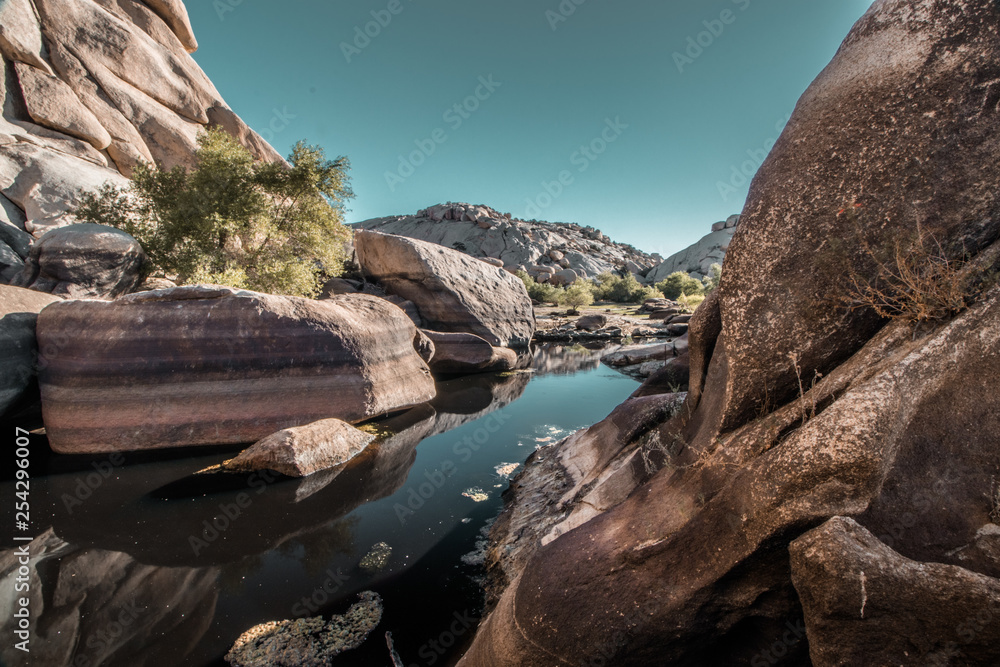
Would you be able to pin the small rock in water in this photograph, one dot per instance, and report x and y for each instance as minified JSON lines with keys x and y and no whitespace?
{"x":307,"y":642}
{"x":376,"y":558}
{"x":476,"y":494}
{"x":505,"y":470}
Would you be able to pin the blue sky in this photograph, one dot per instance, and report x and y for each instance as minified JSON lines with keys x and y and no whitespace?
{"x":628,"y":116}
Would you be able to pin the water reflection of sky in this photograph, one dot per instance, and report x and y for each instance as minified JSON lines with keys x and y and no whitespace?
{"x":294,"y":547}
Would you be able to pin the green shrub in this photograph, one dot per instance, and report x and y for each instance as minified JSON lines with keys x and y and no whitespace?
{"x":577,"y":295}
{"x":234,"y":221}
{"x":616,"y":289}
{"x":541,"y":292}
{"x":679,"y":283}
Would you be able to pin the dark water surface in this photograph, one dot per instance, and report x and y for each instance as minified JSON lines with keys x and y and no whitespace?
{"x":148,"y":564}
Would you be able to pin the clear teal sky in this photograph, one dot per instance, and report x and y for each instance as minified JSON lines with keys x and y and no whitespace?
{"x":663,"y":132}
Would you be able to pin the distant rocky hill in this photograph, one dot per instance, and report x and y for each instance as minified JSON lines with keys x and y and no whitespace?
{"x":569,"y":249}
{"x":483,"y":232}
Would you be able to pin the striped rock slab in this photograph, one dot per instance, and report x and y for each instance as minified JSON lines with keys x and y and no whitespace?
{"x":204,"y":365}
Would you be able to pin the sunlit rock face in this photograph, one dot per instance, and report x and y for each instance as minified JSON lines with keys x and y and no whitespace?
{"x":89,"y":89}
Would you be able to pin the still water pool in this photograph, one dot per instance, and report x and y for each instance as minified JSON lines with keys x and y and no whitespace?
{"x":142,"y":562}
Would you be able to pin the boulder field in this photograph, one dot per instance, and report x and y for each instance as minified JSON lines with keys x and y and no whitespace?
{"x":201,"y":365}
{"x":827,"y":492}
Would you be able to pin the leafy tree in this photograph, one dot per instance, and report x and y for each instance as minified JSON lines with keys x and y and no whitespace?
{"x":680,"y":283}
{"x":234,"y":221}
{"x":577,"y":295}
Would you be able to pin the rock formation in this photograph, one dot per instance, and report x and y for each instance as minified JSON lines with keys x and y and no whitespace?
{"x":800,"y":411}
{"x":200,"y":365}
{"x":482,"y":232}
{"x":458,"y":353}
{"x":698,"y":259}
{"x":84,"y":261}
{"x":88,"y":89}
{"x":453,"y":292}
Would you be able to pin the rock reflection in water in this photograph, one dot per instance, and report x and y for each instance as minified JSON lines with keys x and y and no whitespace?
{"x":559,"y":359}
{"x":95,"y":607}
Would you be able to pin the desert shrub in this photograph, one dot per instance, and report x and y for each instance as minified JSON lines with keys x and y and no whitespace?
{"x":679,"y":283}
{"x":617,"y":289}
{"x":692,"y":302}
{"x":577,"y":295}
{"x":541,"y":292}
{"x":234,"y":221}
{"x":911,"y":276}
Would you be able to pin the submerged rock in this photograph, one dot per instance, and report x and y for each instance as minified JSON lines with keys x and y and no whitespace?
{"x":376,"y":559}
{"x":307,"y":642}
{"x":205,"y":365}
{"x":453,"y":292}
{"x":303,"y":450}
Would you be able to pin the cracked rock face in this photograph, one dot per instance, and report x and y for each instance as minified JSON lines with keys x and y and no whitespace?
{"x":89,"y":88}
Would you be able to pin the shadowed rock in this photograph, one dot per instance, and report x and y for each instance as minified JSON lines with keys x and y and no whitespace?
{"x":459,"y":353}
{"x":691,"y":565}
{"x":84,"y":261}
{"x":19,"y":310}
{"x":200,"y":365}
{"x":867,"y":605}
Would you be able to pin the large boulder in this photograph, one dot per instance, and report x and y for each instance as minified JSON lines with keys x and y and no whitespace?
{"x":460,"y":353}
{"x":853,"y":589}
{"x":84,"y":261}
{"x":19,"y":310}
{"x":799,"y":411}
{"x":453,"y":292}
{"x":91,"y":88}
{"x":203,"y":365}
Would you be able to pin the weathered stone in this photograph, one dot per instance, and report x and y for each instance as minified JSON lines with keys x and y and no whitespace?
{"x":52,"y":103}
{"x":307,"y":642}
{"x":20,"y":35}
{"x":892,"y":425}
{"x":453,"y":292}
{"x":564,"y":277}
{"x":460,"y":353}
{"x":865,"y":604}
{"x":673,"y":376}
{"x":301,"y":451}
{"x":592,"y":322}
{"x":203,"y":365}
{"x":84,"y":261}
{"x":19,"y":310}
